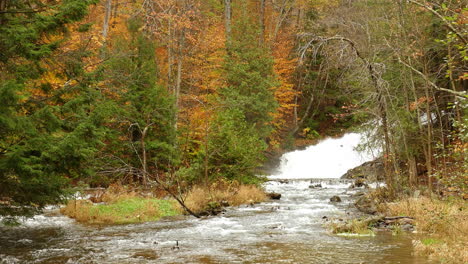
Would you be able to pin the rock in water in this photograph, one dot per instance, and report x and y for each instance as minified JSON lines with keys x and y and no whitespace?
{"x":359,"y":182}
{"x":335,"y":199}
{"x":313,"y":186}
{"x":274,"y":196}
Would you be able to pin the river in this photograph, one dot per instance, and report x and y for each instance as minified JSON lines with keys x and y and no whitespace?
{"x":290,"y":230}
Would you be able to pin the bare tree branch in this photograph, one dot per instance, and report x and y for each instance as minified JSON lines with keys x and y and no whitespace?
{"x":462,"y":95}
{"x":447,"y":23}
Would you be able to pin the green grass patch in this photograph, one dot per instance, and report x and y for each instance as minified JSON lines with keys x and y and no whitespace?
{"x":430,"y":241}
{"x":122,"y":211}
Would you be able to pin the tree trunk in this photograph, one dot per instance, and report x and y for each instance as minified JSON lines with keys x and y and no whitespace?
{"x":144,"y":155}
{"x":227,"y":18}
{"x":3,"y":6}
{"x":105,"y":26}
{"x":177,"y":87}
{"x":170,"y":55}
{"x":383,"y":117}
{"x":262,"y":22}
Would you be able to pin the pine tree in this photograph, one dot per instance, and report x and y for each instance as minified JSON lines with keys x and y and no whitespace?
{"x":146,"y":114}
{"x":44,"y":139}
{"x":250,"y":77}
{"x":242,"y":126}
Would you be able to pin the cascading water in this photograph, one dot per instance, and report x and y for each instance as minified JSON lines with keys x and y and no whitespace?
{"x":331,"y":158}
{"x":289,"y":230}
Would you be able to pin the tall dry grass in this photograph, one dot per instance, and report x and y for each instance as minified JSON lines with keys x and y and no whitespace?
{"x":444,"y":222}
{"x":200,"y":197}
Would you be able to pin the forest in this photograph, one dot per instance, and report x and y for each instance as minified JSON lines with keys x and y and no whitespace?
{"x":189,"y":97}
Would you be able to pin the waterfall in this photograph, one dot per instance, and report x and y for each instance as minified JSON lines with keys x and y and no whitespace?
{"x":330,"y":158}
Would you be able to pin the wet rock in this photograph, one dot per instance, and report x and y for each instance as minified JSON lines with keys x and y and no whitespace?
{"x":366,"y":205}
{"x":274,"y":196}
{"x":313,"y":186}
{"x":283,"y":181}
{"x":335,"y":199}
{"x":371,"y":170}
{"x":404,"y":223}
{"x":358,"y":183}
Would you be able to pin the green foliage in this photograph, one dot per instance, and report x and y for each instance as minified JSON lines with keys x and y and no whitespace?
{"x":250,"y":77}
{"x":237,"y":137}
{"x":235,"y":148}
{"x":132,"y":76}
{"x":430,"y":241}
{"x":44,"y":141}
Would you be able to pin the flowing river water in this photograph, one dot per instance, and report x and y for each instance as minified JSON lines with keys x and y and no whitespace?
{"x":290,"y":230}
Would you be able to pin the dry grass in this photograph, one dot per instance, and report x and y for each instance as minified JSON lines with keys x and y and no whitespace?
{"x":120,"y":206}
{"x":123,"y":211}
{"x":444,"y":221}
{"x":201,"y":198}
{"x":362,"y":227}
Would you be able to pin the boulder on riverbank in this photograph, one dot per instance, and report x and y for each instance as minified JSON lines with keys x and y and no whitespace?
{"x":372,"y":201}
{"x":370,"y":171}
{"x":366,"y":204}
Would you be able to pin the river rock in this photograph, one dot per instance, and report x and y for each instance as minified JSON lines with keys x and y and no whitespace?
{"x":366,"y":204}
{"x":335,"y":199}
{"x":358,"y":183}
{"x":274,"y":196}
{"x":313,"y":186}
{"x":371,"y":170}
{"x":389,"y":223}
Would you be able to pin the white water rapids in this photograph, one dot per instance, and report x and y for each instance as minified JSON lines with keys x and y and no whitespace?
{"x":289,"y":230}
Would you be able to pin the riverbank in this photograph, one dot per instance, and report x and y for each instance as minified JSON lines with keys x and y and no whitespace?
{"x":440,"y":224}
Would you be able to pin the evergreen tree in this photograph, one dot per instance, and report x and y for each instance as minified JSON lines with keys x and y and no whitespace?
{"x":44,"y":139}
{"x":145,"y":118}
{"x":242,"y":126}
{"x":250,"y":77}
